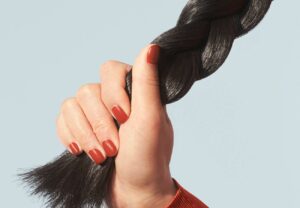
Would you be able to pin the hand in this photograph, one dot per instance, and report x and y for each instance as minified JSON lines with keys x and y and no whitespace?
{"x":143,"y":145}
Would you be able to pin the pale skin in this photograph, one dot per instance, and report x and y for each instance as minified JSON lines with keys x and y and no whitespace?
{"x":144,"y":141}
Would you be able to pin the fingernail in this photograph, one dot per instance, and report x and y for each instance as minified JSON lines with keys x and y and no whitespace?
{"x":109,"y":148}
{"x":97,"y":156}
{"x":119,"y":114}
{"x":153,"y":54}
{"x":74,"y":148}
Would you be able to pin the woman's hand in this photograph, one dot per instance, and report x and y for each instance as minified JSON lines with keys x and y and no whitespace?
{"x":143,"y":145}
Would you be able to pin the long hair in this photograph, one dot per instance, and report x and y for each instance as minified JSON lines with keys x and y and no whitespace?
{"x":194,"y":49}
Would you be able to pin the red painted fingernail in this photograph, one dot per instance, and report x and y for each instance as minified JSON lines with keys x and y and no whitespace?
{"x":74,"y":148}
{"x":119,"y":114}
{"x":97,"y":156}
{"x":153,"y":54}
{"x":109,"y":148}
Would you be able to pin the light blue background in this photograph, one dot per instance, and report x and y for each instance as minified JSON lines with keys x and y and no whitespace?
{"x":236,"y":132}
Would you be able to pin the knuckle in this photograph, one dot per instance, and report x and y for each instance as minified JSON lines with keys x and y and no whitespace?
{"x":106,"y":66}
{"x":87,"y":90}
{"x":146,"y":80}
{"x":152,"y":82}
{"x":105,"y":96}
{"x":68,"y":103}
{"x":86,"y":140}
{"x":100,"y":126}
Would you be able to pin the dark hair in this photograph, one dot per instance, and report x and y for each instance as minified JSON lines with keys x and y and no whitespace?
{"x":194,"y":49}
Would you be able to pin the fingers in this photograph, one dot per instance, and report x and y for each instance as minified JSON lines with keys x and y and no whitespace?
{"x":66,"y":137}
{"x":100,"y":119}
{"x":85,"y":122}
{"x":113,"y":94}
{"x":81,"y":130}
{"x":145,"y":81}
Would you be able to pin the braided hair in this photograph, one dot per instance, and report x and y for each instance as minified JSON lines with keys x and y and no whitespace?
{"x":194,"y":49}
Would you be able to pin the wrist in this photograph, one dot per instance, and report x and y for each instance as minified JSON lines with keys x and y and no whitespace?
{"x":157,"y":194}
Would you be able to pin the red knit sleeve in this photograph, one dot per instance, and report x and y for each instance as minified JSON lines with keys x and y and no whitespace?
{"x":184,"y":199}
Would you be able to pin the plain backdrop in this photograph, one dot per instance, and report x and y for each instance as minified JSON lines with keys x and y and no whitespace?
{"x":236,"y":132}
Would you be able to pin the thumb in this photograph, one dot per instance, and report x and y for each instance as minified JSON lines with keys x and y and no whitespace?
{"x":145,"y":81}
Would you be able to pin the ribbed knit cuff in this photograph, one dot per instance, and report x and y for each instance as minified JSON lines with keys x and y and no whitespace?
{"x":184,"y":199}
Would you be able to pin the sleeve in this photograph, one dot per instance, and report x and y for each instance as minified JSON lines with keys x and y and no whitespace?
{"x":184,"y":199}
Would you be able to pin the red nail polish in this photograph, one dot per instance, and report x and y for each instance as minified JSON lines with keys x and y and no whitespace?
{"x":109,"y":148}
{"x":74,"y":148}
{"x":153,"y":54}
{"x":119,"y":114}
{"x":97,"y":156}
